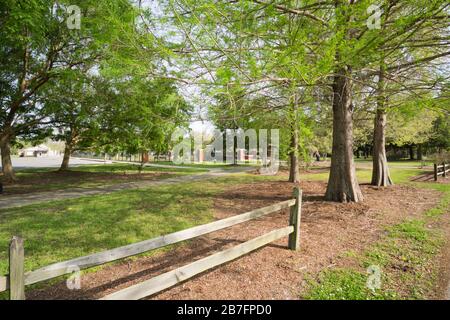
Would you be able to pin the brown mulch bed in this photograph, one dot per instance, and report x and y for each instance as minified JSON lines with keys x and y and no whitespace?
{"x":328,"y":230}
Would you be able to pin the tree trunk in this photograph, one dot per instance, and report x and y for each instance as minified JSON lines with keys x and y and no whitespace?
{"x":294,"y":170}
{"x":235,"y":161}
{"x":380,"y":169}
{"x":411,"y":152}
{"x":66,"y":158}
{"x":7,"y":167}
{"x":342,"y":184}
{"x":419,"y":152}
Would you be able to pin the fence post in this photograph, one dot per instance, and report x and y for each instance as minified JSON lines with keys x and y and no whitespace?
{"x":444,"y":174}
{"x":296,"y":213}
{"x":16,"y":269}
{"x":435,"y":172}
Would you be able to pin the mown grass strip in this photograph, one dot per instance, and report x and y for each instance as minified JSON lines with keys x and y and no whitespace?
{"x":406,"y":256}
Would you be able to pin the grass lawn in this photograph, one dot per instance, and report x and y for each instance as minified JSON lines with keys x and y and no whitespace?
{"x":406,"y":254}
{"x":400,"y":163}
{"x":206,"y":165}
{"x":61,"y":230}
{"x":399,"y":175}
{"x":89,"y":176}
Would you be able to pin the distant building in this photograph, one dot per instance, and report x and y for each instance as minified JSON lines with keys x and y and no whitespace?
{"x":38,"y":151}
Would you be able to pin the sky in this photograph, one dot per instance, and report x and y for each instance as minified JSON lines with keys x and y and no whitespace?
{"x":202,"y":126}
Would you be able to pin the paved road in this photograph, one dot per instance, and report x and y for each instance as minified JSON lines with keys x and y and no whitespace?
{"x":48,"y":162}
{"x":15,"y":201}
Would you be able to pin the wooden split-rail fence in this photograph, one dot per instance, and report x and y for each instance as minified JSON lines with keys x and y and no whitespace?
{"x":441,"y":170}
{"x":17,"y":278}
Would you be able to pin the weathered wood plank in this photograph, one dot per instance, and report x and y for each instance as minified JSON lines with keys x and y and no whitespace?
{"x":4,"y":283}
{"x":181,"y":274}
{"x":96,"y":259}
{"x":16,"y":269}
{"x":295,"y":218}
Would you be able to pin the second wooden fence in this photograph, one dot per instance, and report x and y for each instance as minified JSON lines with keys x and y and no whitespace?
{"x":441,"y":170}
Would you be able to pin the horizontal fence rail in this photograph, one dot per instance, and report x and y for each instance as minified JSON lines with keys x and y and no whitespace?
{"x":4,"y":283}
{"x":96,"y":259}
{"x":66,"y":267}
{"x":171,"y":278}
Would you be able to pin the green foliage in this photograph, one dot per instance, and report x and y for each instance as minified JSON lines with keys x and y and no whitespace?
{"x":142,"y":115}
{"x":343,"y":284}
{"x":410,"y":125}
{"x":440,"y":133}
{"x":413,"y":229}
{"x":39,"y":48}
{"x":260,"y":55}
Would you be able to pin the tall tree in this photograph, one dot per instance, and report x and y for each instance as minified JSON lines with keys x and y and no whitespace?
{"x":328,"y":45}
{"x":141,"y":115}
{"x":71,"y":105}
{"x":406,"y":45}
{"x":37,"y":45}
